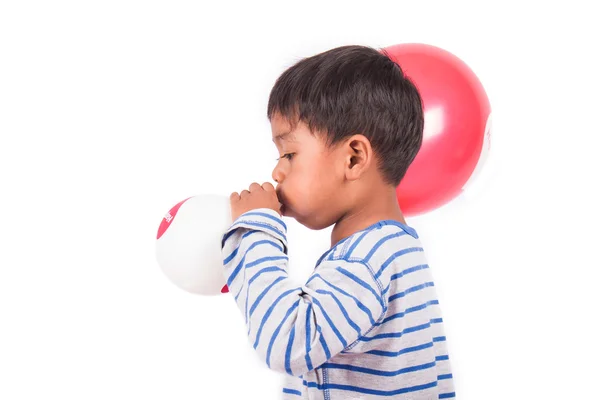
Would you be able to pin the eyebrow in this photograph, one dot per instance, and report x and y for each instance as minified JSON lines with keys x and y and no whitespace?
{"x":282,"y":136}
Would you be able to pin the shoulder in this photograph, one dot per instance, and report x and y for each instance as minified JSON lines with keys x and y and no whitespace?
{"x":375,"y":241}
{"x":377,"y":246}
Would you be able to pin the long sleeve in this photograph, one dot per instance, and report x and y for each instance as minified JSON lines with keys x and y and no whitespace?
{"x":296,"y":329}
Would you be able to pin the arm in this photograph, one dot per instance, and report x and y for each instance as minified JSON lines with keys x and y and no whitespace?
{"x":295,"y":329}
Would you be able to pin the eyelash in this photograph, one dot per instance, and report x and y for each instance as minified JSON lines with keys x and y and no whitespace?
{"x":288,"y":156}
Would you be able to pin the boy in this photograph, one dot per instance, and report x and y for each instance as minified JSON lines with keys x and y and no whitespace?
{"x":366,"y":324}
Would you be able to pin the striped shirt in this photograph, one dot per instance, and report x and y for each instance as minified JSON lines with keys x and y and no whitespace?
{"x":365,"y":325}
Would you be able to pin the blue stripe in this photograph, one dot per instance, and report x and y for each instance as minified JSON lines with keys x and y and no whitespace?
{"x":408,"y":271}
{"x":288,"y":351}
{"x":445,"y":376}
{"x":361,"y":283}
{"x":236,"y":271}
{"x":411,"y":290}
{"x":268,"y":313}
{"x":396,"y":334}
{"x":246,"y":316}
{"x":385,"y":290}
{"x":358,"y":303}
{"x":245,"y":235}
{"x":333,"y":327}
{"x":408,"y":311}
{"x":401,"y":351}
{"x":343,"y":310}
{"x":229,"y":234}
{"x":230,"y":257}
{"x":378,"y":372}
{"x":308,"y":337}
{"x":276,"y":332}
{"x":292,"y":391}
{"x":416,"y":328}
{"x":412,"y":232}
{"x":265,"y":270}
{"x":380,"y":242}
{"x":356,"y":242}
{"x":259,"y":298}
{"x":442,"y":358}
{"x":263,"y":259}
{"x":396,"y":255}
{"x":270,"y":269}
{"x":436,"y":321}
{"x":241,"y":287}
{"x":322,"y":257}
{"x":331,"y":251}
{"x":256,"y":276}
{"x":262,"y":214}
{"x":330,"y":386}
{"x":439,"y":339}
{"x":264,"y":292}
{"x":446,"y":395}
{"x":323,"y":343}
{"x":241,"y":263}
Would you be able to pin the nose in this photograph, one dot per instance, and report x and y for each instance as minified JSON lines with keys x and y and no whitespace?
{"x":277,"y":174}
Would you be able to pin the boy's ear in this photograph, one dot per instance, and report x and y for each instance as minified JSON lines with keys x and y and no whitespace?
{"x":358,"y":157}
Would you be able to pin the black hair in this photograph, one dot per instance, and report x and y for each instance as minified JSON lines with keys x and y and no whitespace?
{"x":352,"y":90}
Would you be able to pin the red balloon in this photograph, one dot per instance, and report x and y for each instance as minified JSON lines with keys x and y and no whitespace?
{"x":456,"y":119}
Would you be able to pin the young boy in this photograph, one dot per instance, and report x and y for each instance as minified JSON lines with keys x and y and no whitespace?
{"x":366,"y":324}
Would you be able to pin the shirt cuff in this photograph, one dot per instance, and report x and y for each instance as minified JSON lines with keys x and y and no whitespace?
{"x":261,"y":219}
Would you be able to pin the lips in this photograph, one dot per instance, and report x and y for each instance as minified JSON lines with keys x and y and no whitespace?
{"x":282,"y":207}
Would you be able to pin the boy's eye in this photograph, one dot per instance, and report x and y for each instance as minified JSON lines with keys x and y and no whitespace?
{"x":287,"y":155}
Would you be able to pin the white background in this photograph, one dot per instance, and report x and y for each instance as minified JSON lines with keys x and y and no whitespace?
{"x":111,"y":112}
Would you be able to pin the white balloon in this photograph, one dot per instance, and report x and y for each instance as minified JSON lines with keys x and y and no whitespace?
{"x":188,"y":245}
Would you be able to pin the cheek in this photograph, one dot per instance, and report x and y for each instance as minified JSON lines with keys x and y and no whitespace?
{"x":315,"y":182}
{"x":300,"y":185}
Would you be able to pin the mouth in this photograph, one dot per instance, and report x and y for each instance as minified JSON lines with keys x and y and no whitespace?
{"x":282,"y":208}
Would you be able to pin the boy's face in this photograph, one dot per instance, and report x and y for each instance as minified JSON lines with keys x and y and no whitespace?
{"x":308,"y":175}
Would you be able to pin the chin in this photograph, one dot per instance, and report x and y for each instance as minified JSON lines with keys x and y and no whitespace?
{"x":286,"y":212}
{"x":312,"y":223}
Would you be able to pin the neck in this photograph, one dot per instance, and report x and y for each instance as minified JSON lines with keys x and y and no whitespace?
{"x":378,"y":205}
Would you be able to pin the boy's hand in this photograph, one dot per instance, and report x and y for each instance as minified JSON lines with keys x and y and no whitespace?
{"x":256,"y":196}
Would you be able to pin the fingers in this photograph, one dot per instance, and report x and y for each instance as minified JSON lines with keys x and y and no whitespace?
{"x":268,"y":187}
